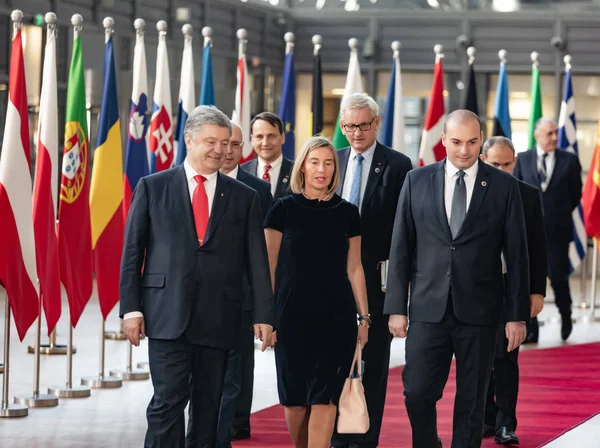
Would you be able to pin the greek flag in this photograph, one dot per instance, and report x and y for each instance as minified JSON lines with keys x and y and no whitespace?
{"x":567,"y":140}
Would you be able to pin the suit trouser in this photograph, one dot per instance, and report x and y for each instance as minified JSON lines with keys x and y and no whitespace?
{"x":172,"y":363}
{"x":235,"y":390}
{"x":558,"y":271}
{"x":376,"y":356}
{"x":501,"y":403}
{"x":429,"y":350}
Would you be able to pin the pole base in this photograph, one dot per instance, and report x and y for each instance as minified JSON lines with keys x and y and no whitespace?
{"x":115,"y":335}
{"x":46,"y":349}
{"x":590,"y":318}
{"x":14,"y":410}
{"x":101,"y":382}
{"x":143,"y":365}
{"x":37,"y":401}
{"x":69,"y":392}
{"x":131,"y":375}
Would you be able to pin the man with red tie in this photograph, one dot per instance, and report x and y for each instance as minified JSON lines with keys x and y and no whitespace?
{"x":268,"y":136}
{"x":191,"y":233}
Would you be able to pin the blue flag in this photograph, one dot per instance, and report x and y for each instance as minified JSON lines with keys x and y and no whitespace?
{"x":567,"y":140}
{"x":287,"y":110}
{"x":388,"y":117}
{"x":501,"y":113}
{"x":207,"y":94}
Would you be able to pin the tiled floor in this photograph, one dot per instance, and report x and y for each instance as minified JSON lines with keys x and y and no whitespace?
{"x":116,"y":418}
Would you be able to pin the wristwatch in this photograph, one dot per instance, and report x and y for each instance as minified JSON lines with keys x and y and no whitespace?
{"x":365,"y":318}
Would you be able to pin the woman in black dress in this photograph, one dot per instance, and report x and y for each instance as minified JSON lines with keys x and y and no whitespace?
{"x":313,"y":240}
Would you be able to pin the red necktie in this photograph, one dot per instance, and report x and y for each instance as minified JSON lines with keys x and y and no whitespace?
{"x":266,"y":176}
{"x":200,"y":207}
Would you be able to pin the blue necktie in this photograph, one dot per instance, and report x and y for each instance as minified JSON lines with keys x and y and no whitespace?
{"x":355,"y":188}
{"x":543,"y":172}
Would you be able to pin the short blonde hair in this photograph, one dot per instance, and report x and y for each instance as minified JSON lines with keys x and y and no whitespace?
{"x":297,"y":182}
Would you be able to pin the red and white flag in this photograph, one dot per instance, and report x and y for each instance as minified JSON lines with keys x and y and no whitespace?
{"x":432,"y":150}
{"x":241,"y":113}
{"x":45,"y":189}
{"x":17,"y":247}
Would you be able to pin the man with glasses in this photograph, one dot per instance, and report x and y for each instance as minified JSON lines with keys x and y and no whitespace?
{"x":371,"y":178}
{"x":268,"y":136}
{"x":236,"y":401}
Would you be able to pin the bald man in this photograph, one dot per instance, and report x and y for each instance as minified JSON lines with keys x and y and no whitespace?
{"x":454,"y":220}
{"x":558,"y":176}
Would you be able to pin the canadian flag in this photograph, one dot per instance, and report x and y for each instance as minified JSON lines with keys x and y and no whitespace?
{"x":432,"y":150}
{"x":241,"y":113}
{"x":17,"y":245}
{"x":45,"y":190}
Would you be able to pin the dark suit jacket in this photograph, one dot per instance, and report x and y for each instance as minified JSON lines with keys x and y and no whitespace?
{"x":536,"y":237}
{"x":283,"y":181}
{"x":388,"y":170}
{"x":563,"y":193}
{"x":264,"y":194}
{"x":425,"y":255}
{"x":261,"y":187}
{"x":185,"y":287}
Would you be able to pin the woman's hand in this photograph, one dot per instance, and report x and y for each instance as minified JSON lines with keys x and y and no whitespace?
{"x":363,"y":335}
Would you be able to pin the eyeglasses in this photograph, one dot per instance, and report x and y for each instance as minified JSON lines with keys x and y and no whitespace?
{"x":362,"y":126}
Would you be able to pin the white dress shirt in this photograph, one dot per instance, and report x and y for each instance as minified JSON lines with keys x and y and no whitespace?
{"x":450,"y":179}
{"x":234,"y":172}
{"x":364,"y":175}
{"x":550,"y":162}
{"x":273,"y":172}
{"x":210,"y":184}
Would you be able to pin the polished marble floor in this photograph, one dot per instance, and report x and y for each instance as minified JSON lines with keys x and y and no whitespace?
{"x":116,"y":417}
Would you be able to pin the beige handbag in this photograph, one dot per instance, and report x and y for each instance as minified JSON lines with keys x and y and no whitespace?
{"x":353,"y":414}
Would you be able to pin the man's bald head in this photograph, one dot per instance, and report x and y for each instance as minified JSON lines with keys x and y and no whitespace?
{"x":461,"y":116}
{"x":546,"y":134}
{"x":234,"y":150}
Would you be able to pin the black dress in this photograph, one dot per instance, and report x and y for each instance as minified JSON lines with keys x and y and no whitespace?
{"x":316,"y":312}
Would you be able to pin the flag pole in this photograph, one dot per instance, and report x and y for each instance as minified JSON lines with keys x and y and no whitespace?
{"x":37,"y":400}
{"x":131,"y":374}
{"x":8,"y":409}
{"x":70,"y":391}
{"x":52,"y":348}
{"x":591,"y":317}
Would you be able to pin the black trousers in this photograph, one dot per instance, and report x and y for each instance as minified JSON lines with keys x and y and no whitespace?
{"x":376,"y":356}
{"x":501,"y":402}
{"x":244,"y":401}
{"x":429,"y":350}
{"x":172,"y":364}
{"x":558,"y":270}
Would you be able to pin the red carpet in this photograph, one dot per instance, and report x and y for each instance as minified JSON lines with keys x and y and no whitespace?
{"x":560,"y":389}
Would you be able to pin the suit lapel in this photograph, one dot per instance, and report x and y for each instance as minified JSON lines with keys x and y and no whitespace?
{"x":534,"y":168}
{"x":343,"y":161}
{"x":253,"y":167}
{"x":284,"y":177}
{"x":219,"y":205}
{"x":376,"y":171}
{"x":437,"y":189}
{"x":479,"y":190}
{"x":181,"y":196}
{"x":559,"y":166}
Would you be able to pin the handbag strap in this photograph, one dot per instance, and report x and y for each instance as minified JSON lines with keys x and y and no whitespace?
{"x":357,"y":359}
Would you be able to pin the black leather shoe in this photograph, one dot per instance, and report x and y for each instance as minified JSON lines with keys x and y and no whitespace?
{"x":505,"y":436}
{"x":567,"y":328}
{"x":531,"y":338}
{"x":488,"y":430}
{"x":240,"y":434}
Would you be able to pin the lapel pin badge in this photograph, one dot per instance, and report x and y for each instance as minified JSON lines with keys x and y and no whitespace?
{"x":285,"y":180}
{"x":377,"y":170}
{"x":483,"y":183}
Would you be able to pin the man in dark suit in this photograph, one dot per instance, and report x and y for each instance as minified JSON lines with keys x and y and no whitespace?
{"x":501,"y":412}
{"x":236,"y":404}
{"x":191,"y":234}
{"x":268,"y":136}
{"x":455,"y":219}
{"x":371,"y":177}
{"x":558,"y":176}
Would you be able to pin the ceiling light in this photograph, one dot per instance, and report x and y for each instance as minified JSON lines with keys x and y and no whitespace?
{"x":320,"y":4}
{"x":274,"y":2}
{"x":433,"y":3}
{"x":505,"y":5}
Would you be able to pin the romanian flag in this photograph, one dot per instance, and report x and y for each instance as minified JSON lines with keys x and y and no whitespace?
{"x":106,"y":195}
{"x":74,"y":231}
